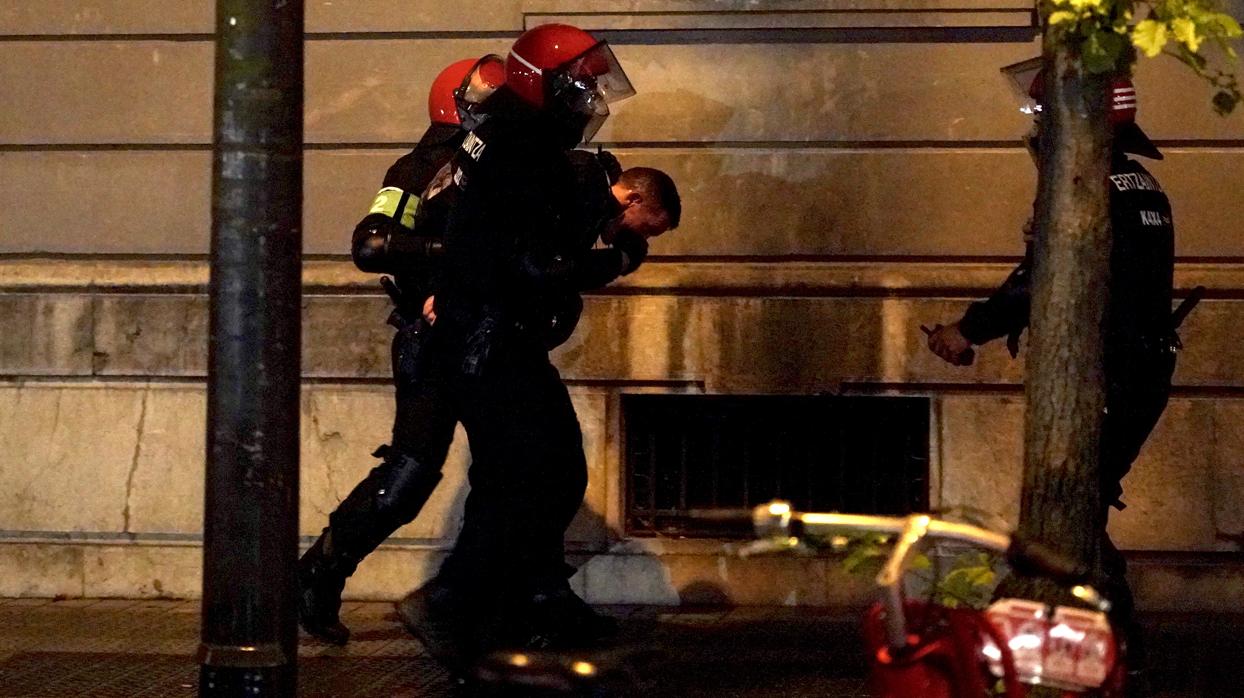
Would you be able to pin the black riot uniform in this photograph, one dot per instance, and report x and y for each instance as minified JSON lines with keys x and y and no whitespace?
{"x":402,"y":235}
{"x":387,"y":240}
{"x":1139,"y":340}
{"x":595,"y":174}
{"x":1140,"y":343}
{"x":514,"y":249}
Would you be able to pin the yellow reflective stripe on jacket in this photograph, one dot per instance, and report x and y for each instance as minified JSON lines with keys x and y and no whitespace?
{"x":396,"y":204}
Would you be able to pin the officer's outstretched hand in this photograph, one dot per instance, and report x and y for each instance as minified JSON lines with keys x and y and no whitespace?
{"x":950,"y":344}
{"x":634,"y":249}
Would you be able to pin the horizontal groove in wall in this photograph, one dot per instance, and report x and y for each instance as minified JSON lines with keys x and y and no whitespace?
{"x":846,"y":292}
{"x":1190,"y":392}
{"x":919,"y":34}
{"x":1146,"y":558}
{"x":162,"y":539}
{"x":776,"y":12}
{"x":723,"y":291}
{"x":652,"y":259}
{"x":119,"y":37}
{"x":745,"y":145}
{"x":104,"y":381}
{"x":1173,"y":145}
{"x":914,"y":389}
{"x":392,"y":35}
{"x":826,"y":35}
{"x":309,"y":36}
{"x":687,"y":276}
{"x":99,"y":538}
{"x":103,"y":147}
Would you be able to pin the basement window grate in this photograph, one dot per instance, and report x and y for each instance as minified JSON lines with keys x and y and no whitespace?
{"x":691,"y":453}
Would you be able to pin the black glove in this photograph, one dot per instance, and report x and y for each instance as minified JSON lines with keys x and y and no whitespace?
{"x":634,"y":249}
{"x":613,"y":168}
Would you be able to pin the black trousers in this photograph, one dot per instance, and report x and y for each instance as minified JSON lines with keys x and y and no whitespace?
{"x":423,"y":424}
{"x":528,"y":473}
{"x":1138,"y":388}
{"x":396,"y":490}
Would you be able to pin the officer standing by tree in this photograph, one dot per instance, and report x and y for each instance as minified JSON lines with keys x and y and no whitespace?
{"x":1140,"y":338}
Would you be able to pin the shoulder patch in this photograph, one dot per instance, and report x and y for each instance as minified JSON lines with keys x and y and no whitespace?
{"x":396,"y":204}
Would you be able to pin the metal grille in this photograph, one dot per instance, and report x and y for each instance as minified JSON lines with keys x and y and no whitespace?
{"x":859,"y":454}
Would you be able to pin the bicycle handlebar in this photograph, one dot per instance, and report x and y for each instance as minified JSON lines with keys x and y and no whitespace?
{"x":777,"y":519}
{"x":780,"y":528}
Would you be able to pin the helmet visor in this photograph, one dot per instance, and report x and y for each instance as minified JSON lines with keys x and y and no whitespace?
{"x":588,"y":84}
{"x":582,"y":101}
{"x":594,"y":122}
{"x":599,"y":68}
{"x":485,"y":77}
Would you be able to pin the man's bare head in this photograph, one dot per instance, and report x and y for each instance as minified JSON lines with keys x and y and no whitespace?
{"x":649,"y":200}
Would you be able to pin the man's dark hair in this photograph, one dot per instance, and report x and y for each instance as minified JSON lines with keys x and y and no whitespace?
{"x":655,"y":185}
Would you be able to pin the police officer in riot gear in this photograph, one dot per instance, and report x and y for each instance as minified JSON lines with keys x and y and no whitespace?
{"x":640,"y":201}
{"x":1140,"y":339}
{"x":514,"y":240}
{"x":391,"y":240}
{"x":387,"y":240}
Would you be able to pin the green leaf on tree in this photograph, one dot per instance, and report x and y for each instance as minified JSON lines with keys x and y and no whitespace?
{"x":866,"y":554}
{"x":1102,"y":52}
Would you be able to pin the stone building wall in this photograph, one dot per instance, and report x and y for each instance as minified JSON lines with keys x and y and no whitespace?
{"x":850,"y":169}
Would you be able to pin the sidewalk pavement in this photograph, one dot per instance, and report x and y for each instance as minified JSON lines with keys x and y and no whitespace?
{"x":145,"y":648}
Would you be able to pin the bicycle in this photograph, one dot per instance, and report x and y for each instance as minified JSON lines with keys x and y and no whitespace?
{"x":922,"y":648}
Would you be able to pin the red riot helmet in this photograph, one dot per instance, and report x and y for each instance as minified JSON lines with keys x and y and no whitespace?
{"x":459,"y":89}
{"x":568,"y":74}
{"x":1028,"y":79}
{"x":485,"y":77}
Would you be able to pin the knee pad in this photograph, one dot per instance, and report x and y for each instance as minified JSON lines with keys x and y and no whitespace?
{"x":402,"y":485}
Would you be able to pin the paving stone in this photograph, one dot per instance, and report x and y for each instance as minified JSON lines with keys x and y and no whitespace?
{"x":146,"y":649}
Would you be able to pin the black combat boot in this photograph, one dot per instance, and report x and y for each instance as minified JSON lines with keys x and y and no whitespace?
{"x":389,"y":497}
{"x":558,"y":619}
{"x":321,"y":579}
{"x":439,"y":617}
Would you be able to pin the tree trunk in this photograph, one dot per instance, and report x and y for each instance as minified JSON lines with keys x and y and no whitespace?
{"x":1064,"y":387}
{"x":1065,"y":383}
